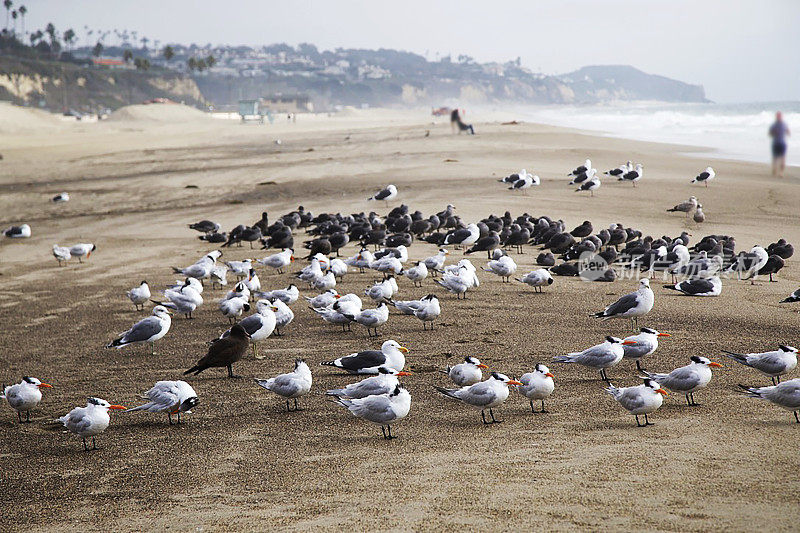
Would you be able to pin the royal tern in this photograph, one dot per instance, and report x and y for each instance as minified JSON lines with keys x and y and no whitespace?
{"x":362,"y":260}
{"x":436,"y":262}
{"x":283,"y":315}
{"x":457,"y":283}
{"x":82,"y":250}
{"x":24,"y":396}
{"x":632,"y":305}
{"x":62,"y":254}
{"x":223,"y":352}
{"x":326,"y":299}
{"x":786,"y":395}
{"x":505,"y":267}
{"x":252,"y":282}
{"x":371,"y":319}
{"x":417,"y":273}
{"x":369,"y":361}
{"x":139,"y":295}
{"x":171,"y":397}
{"x":148,"y":329}
{"x":279,"y":261}
{"x":537,"y":279}
{"x":483,"y":395}
{"x":467,"y":373}
{"x":325,"y":282}
{"x":384,"y":383}
{"x":381,"y":409}
{"x":639,"y":400}
{"x":89,"y":421}
{"x":290,"y":386}
{"x":601,"y":356}
{"x":219,"y":276}
{"x":773,"y":364}
{"x":537,"y":385}
{"x":427,"y":309}
{"x":232,"y":309}
{"x":239,"y":290}
{"x":289,"y":295}
{"x":640,"y":345}
{"x":687,"y":379}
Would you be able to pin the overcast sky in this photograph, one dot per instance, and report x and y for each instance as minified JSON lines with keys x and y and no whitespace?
{"x":740,"y":50}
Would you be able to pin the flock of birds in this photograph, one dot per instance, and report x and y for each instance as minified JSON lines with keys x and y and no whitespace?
{"x":384,"y":242}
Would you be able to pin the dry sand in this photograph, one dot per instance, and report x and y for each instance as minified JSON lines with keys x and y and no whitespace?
{"x":241,"y":463}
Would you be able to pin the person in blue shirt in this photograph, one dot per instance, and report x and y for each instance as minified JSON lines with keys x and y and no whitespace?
{"x":779,"y":131}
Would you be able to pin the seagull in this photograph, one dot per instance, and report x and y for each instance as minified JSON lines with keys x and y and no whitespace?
{"x":369,"y":361}
{"x":786,"y":395}
{"x":685,"y":207}
{"x":505,"y":267}
{"x":600,"y":356}
{"x":464,"y":236}
{"x":60,"y":198}
{"x":81,"y":250}
{"x":687,"y":379}
{"x":698,"y":286}
{"x":259,"y":325}
{"x":184,"y":300}
{"x":62,"y":254}
{"x":699,"y":217}
{"x":289,"y":295}
{"x":704,"y":177}
{"x":417,"y":273}
{"x":149,"y":329}
{"x":773,"y":364}
{"x":290,"y":386}
{"x":18,"y":232}
{"x":371,"y":319}
{"x":583,"y":177}
{"x":205,"y":226}
{"x":634,"y":175}
{"x":466,"y":373}
{"x":589,"y":185}
{"x":139,"y":295}
{"x":224,"y":352}
{"x":384,"y":383}
{"x":639,"y":400}
{"x":483,"y":395}
{"x":89,"y":421}
{"x":794,"y":297}
{"x":583,"y":168}
{"x":638,"y":346}
{"x":387,"y":195}
{"x":240,"y":269}
{"x":283,"y":315}
{"x":326,"y":299}
{"x":748,"y":264}
{"x":537,"y":385}
{"x":24,"y":396}
{"x":381,"y":409}
{"x":457,"y":283}
{"x":632,"y":305}
{"x":171,"y":397}
{"x":279,"y":261}
{"x":537,"y":279}
{"x":525,"y":181}
{"x":619,"y":171}
{"x":201,"y":269}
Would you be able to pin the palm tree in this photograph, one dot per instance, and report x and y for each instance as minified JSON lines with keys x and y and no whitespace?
{"x":22,"y":11}
{"x":191,"y":63}
{"x":144,"y":41}
{"x":127,"y":55}
{"x":14,"y":16}
{"x":7,"y":4}
{"x":169,"y":53}
{"x":98,"y":49}
{"x":69,"y":38}
{"x":201,"y":65}
{"x":211,"y":61}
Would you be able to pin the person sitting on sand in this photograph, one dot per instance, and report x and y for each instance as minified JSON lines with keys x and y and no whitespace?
{"x":779,"y":131}
{"x":455,"y":120}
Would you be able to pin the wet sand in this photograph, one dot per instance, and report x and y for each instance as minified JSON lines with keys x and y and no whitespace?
{"x":240,"y":462}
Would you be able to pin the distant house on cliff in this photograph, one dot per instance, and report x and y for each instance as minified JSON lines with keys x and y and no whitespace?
{"x":279,"y":103}
{"x":108,"y":62}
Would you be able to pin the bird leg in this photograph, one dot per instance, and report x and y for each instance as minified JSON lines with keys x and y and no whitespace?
{"x":494,"y":420}
{"x":94,"y":444}
{"x":483,"y":417}
{"x":773,"y":381}
{"x":647,"y":422}
{"x":389,"y":432}
{"x":796,"y":417}
{"x":383,"y":430}
{"x":169,"y":415}
{"x":230,"y":372}
{"x":179,"y":417}
{"x":779,"y":379}
{"x":532,"y":409}
{"x":85,"y":448}
{"x":19,"y":416}
{"x":543,"y":409}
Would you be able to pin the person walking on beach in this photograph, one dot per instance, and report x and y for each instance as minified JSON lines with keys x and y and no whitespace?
{"x":779,"y":131}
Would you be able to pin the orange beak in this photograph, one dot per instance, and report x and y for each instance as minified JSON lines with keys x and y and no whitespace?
{"x":514,"y":382}
{"x":664,"y":335}
{"x":715,"y":365}
{"x":404,"y":373}
{"x":44,"y":386}
{"x":628,"y":343}
{"x":483,"y":366}
{"x":291,"y":259}
{"x":550,"y":375}
{"x":337,"y":296}
{"x":117,"y":407}
{"x":662,"y":391}
{"x":175,"y":411}
{"x":403,"y":349}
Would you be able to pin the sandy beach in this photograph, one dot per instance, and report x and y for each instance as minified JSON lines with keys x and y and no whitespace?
{"x":240,"y":462}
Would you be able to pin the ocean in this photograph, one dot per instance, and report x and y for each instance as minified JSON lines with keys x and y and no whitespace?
{"x":730,"y":131}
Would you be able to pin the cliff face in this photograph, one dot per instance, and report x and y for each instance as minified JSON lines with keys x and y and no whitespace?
{"x":59,"y":85}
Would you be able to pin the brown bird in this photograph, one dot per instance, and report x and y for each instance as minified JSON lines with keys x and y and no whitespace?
{"x":224,"y":352}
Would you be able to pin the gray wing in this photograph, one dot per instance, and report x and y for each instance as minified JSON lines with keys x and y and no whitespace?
{"x":695,"y":286}
{"x":285,"y":385}
{"x":142,"y":330}
{"x":630,"y":399}
{"x":251,"y":324}
{"x":770,"y":363}
{"x":683,"y":378}
{"x":376,"y":409}
{"x":477,"y":394}
{"x":623,"y":305}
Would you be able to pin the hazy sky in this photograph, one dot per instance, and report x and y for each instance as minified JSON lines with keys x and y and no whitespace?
{"x":740,"y":50}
